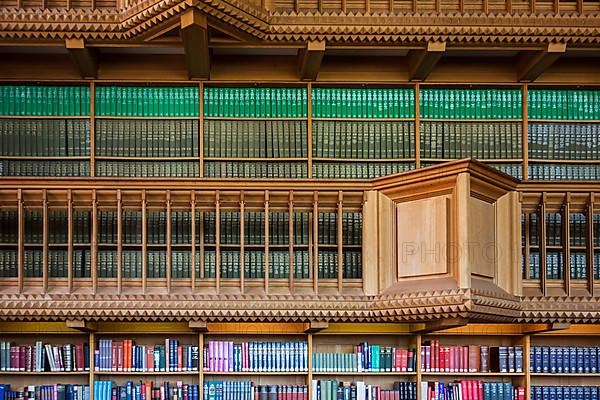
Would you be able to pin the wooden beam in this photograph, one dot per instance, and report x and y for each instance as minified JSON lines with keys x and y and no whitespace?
{"x":82,"y":325}
{"x":539,"y":328}
{"x":422,"y":62}
{"x":86,"y":58}
{"x":198,"y":326}
{"x":316,"y":326}
{"x":310,"y":58}
{"x":533,"y":63}
{"x":194,"y":33}
{"x":439,"y":325}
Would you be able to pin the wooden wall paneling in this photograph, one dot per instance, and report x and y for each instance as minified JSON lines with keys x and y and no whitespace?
{"x":291,"y":238}
{"x":542,"y":225}
{"x":21,"y":241}
{"x":590,"y":244}
{"x":242,"y":241}
{"x":119,"y":242}
{"x":45,"y":272}
{"x":168,"y":234}
{"x":94,"y":243}
{"x":92,"y":129}
{"x":193,"y":229}
{"x":309,"y":129}
{"x":566,"y":211}
{"x":218,"y":241}
{"x":387,"y":220}
{"x":69,"y":240}
{"x":340,"y":243}
{"x":201,"y":128}
{"x":267,"y":263}
{"x":315,"y":242}
{"x":144,"y":242}
{"x":417,"y":122}
{"x":525,"y":131}
{"x":459,"y":217}
{"x":508,"y":240}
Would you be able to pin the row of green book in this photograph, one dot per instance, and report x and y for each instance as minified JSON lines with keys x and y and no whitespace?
{"x":44,"y":100}
{"x":255,"y":169}
{"x":255,"y":139}
{"x":147,"y":138}
{"x":147,"y":169}
{"x":357,"y":170}
{"x":255,"y":102}
{"x":471,"y":103}
{"x":564,"y":104}
{"x":62,"y":168}
{"x":467,"y":139}
{"x":549,"y":141}
{"x":33,"y":264}
{"x":573,"y":172}
{"x":372,"y":139}
{"x":362,"y":103}
{"x":44,"y":137}
{"x":132,"y":101}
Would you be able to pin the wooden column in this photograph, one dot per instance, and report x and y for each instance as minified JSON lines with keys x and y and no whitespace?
{"x":69,"y":240}
{"x":309,"y":129}
{"x":242,"y":242}
{"x":340,"y":244}
{"x":94,"y":243}
{"x":45,"y":271}
{"x":542,"y":216}
{"x":525,"y":130}
{"x":566,"y":211}
{"x":92,"y":129}
{"x":193,"y":240}
{"x":200,"y":137}
{"x":417,"y":122}
{"x":144,"y":243}
{"x":119,"y":242}
{"x":266,"y":242}
{"x":590,"y":244}
{"x":315,"y":238}
{"x":168,"y":237}
{"x":291,"y":238}
{"x":218,"y":241}
{"x":21,"y":240}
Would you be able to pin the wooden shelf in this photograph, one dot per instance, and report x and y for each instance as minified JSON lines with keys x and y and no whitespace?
{"x":249,"y":373}
{"x":48,"y":158}
{"x":567,"y":121}
{"x":492,"y":374}
{"x":257,"y":118}
{"x":365,"y":119}
{"x":471,"y":120}
{"x":563,"y":374}
{"x":376,"y":160}
{"x":496,"y":161}
{"x":559,"y":161}
{"x":370,"y":373}
{"x":44,"y":372}
{"x":110,"y":158}
{"x":144,"y":117}
{"x":148,"y":373}
{"x":46,"y":116}
{"x":251,"y":159}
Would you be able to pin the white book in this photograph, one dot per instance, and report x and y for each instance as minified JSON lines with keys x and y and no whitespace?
{"x":424,"y":385}
{"x":361,"y":390}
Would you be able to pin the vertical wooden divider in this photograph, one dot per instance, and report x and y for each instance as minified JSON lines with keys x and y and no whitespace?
{"x":417,"y":122}
{"x":242,"y":241}
{"x":218,"y":241}
{"x":168,"y":237}
{"x":119,"y":242}
{"x":309,"y":375}
{"x":527,"y":246}
{"x":590,"y":244}
{"x":200,"y":365}
{"x":92,"y":129}
{"x":45,"y":271}
{"x":363,"y":236}
{"x":309,"y":128}
{"x":92,"y":349}
{"x":291,"y":239}
{"x":526,"y":365}
{"x":266,"y":242}
{"x":94,"y":243}
{"x":69,"y":240}
{"x":542,"y":225}
{"x":340,"y":213}
{"x":144,"y":243}
{"x":200,"y":137}
{"x":193,"y":239}
{"x":418,"y":363}
{"x":566,"y":211}
{"x":21,"y":240}
{"x":201,"y":237}
{"x":315,"y":240}
{"x":525,"y":131}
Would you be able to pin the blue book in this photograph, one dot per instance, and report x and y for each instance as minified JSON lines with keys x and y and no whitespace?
{"x":375,"y":357}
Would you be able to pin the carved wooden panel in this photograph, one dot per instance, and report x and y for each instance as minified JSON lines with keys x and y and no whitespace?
{"x":481,"y":247}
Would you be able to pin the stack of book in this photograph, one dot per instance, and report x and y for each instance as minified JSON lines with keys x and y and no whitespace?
{"x":471,"y":103}
{"x":8,"y":263}
{"x":246,"y":390}
{"x":107,"y":390}
{"x":226,"y":356}
{"x":564,"y":104}
{"x":55,"y":168}
{"x":126,"y":356}
{"x":559,"y":141}
{"x":44,"y":100}
{"x":471,"y":358}
{"x":333,"y":389}
{"x":514,"y":170}
{"x":565,"y":392}
{"x":362,"y":103}
{"x":250,"y":102}
{"x":363,"y":140}
{"x":46,"y":392}
{"x":586,"y":172}
{"x":367,"y":358}
{"x":147,"y":101}
{"x":534,"y":265}
{"x":358,"y":170}
{"x":44,"y":357}
{"x":45,"y":137}
{"x":253,"y":169}
{"x":471,"y":390}
{"x":567,"y":360}
{"x":147,"y":169}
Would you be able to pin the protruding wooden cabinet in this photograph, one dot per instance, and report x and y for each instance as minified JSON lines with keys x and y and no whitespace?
{"x":453,"y":227}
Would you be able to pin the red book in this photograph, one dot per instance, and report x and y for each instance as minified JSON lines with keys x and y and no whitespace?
{"x":143,"y":392}
{"x":520,"y":393}
{"x":180,"y":358}
{"x":150,"y":358}
{"x":113,"y":366}
{"x":403,"y":360}
{"x":128,"y":350}
{"x":120,"y":356}
{"x":480,"y":389}
{"x":465,"y":359}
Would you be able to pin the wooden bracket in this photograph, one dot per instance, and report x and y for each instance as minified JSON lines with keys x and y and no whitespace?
{"x":316,"y":326}
{"x":439,"y":325}
{"x":422,"y":62}
{"x":194,"y":33}
{"x":198,"y":326}
{"x":533,"y":63}
{"x":310,"y":58}
{"x":82,"y":325}
{"x":85,"y":58}
{"x":539,"y":328}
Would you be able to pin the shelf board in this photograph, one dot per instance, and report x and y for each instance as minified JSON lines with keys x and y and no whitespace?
{"x":110,"y":158}
{"x":147,"y":373}
{"x":45,"y":116}
{"x":562,"y":374}
{"x":365,"y":119}
{"x":365,"y":373}
{"x":251,"y":159}
{"x":377,"y":160}
{"x":489,"y":160}
{"x":568,"y":121}
{"x":48,"y":158}
{"x":142,"y":117}
{"x":471,"y":120}
{"x":492,"y":374}
{"x":44,"y":373}
{"x":257,"y":118}
{"x":559,"y":161}
{"x":243,"y":373}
